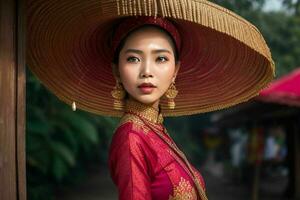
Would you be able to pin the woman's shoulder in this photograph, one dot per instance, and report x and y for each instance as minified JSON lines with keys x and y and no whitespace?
{"x":131,"y":123}
{"x":129,"y":134}
{"x":130,"y":127}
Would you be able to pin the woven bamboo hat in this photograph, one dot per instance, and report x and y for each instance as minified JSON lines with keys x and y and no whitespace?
{"x":224,"y":58}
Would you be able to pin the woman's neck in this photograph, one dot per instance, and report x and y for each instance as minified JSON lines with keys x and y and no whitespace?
{"x":155,"y":104}
{"x":150,"y":112}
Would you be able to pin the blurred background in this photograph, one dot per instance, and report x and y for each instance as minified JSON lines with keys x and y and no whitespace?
{"x":250,"y":151}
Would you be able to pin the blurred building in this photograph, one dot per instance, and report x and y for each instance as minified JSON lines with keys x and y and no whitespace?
{"x":265,"y":134}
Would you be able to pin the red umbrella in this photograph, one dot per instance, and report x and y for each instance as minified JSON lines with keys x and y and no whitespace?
{"x":285,"y":90}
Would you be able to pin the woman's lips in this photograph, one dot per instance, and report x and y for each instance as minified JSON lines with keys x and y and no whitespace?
{"x":146,"y":88}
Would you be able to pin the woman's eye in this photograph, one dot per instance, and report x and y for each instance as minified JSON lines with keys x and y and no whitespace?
{"x":133,"y":59}
{"x":162,"y":59}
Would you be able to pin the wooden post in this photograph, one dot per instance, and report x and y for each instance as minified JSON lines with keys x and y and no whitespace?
{"x":297,"y":159}
{"x":12,"y":100}
{"x":255,"y":186}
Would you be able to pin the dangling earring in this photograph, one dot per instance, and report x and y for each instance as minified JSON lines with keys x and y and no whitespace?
{"x":171,"y":93}
{"x":118,"y":93}
{"x":74,"y":106}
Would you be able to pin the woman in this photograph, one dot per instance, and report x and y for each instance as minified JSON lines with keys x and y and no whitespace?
{"x":144,"y":161}
{"x":168,"y":58}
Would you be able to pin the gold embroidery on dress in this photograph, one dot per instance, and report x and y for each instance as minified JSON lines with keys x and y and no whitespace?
{"x":197,"y":175}
{"x":199,"y":180}
{"x":137,"y":124}
{"x":143,"y":110}
{"x":134,"y":110}
{"x":183,"y":191}
{"x":130,"y":118}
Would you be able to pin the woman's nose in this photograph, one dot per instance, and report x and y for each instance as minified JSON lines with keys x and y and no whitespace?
{"x":146,"y":70}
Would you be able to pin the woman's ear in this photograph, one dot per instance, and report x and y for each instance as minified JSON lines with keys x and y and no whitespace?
{"x":115,"y":71}
{"x":177,"y":66}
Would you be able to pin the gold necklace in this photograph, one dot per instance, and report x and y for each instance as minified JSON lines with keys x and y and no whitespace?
{"x":181,"y":155}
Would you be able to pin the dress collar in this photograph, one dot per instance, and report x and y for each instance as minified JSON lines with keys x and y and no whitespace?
{"x":143,"y":110}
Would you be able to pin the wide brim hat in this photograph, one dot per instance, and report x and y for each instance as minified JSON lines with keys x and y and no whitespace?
{"x":224,"y":58}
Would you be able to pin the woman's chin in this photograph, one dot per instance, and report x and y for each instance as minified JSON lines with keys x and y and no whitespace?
{"x":147,"y":99}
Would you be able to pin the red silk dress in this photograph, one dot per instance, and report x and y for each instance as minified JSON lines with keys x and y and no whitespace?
{"x":142,"y":163}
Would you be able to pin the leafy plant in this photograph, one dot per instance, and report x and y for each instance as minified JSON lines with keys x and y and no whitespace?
{"x":59,"y":141}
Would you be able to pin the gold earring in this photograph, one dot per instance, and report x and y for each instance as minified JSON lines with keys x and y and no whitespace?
{"x":118,"y":93}
{"x":171,"y":93}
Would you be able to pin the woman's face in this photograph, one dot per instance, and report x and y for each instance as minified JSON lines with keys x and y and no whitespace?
{"x":147,"y":65}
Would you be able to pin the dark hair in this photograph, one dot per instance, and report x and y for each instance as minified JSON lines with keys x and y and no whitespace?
{"x":122,"y":42}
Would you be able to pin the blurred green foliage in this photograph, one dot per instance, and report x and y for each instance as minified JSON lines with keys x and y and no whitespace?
{"x":293,"y":5}
{"x":60,"y":142}
{"x":187,"y":133}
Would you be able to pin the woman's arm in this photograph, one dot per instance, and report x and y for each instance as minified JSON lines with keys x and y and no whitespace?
{"x":128,"y":165}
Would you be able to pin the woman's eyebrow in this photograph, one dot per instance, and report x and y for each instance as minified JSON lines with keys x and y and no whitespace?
{"x":134,"y":51}
{"x":153,"y":51}
{"x":161,"y":51}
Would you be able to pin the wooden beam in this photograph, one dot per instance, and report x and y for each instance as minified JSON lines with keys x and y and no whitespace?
{"x":8,"y":177}
{"x":21,"y":100}
{"x":297,"y":160}
{"x":12,"y":101}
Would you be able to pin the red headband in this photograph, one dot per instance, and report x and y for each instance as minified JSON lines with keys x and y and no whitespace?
{"x":132,"y":23}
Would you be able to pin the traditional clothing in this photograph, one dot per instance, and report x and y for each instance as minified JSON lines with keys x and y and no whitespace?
{"x":143,"y":163}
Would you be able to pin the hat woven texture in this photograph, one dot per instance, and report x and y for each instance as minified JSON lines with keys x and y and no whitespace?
{"x":224,"y":58}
